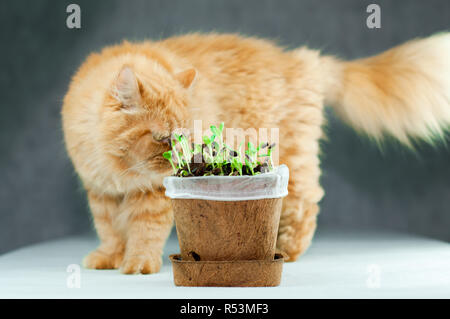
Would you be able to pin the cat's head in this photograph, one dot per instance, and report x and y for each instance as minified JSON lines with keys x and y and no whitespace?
{"x":140,"y":112}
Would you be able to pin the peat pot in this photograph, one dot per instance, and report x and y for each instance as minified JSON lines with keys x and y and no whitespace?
{"x":227,"y":219}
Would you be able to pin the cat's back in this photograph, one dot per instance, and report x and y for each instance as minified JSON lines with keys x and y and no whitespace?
{"x":227,"y":52}
{"x":212,"y":43}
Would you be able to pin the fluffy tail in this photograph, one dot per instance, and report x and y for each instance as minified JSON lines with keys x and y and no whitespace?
{"x":403,"y":92}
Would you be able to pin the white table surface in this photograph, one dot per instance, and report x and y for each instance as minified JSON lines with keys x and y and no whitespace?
{"x":340,"y":264}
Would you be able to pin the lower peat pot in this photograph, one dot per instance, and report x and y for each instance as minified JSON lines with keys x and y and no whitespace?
{"x":227,"y":228}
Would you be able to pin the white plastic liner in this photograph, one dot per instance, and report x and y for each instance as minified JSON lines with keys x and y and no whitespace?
{"x":230,"y":188}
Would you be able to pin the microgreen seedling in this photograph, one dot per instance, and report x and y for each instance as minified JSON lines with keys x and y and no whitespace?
{"x":214,"y":157}
{"x":168,"y":156}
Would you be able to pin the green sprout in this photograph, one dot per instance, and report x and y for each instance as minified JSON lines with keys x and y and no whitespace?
{"x":215,"y":157}
{"x":270,"y":147}
{"x":236,"y":164}
{"x":168,"y":156}
{"x":208,"y":153}
{"x":175,"y":151}
{"x":187,"y":152}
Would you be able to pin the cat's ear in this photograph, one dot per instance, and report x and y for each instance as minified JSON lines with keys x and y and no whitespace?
{"x":186,"y":77}
{"x":126,"y":88}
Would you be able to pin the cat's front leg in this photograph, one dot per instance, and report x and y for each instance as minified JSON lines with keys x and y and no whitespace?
{"x":297,"y":226}
{"x":109,"y":254}
{"x":148,"y":220}
{"x":300,"y":207}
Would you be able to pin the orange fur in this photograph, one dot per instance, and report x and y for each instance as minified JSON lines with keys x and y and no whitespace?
{"x":403,"y":92}
{"x":125,"y":99}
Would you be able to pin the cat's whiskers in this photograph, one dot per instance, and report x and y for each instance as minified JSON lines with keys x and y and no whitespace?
{"x":134,"y":168}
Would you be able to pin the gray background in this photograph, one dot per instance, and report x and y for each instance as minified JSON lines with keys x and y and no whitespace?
{"x":40,"y":196}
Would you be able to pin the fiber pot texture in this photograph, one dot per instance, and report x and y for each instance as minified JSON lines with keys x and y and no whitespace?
{"x":225,"y":230}
{"x":247,"y":273}
{"x":223,"y":218}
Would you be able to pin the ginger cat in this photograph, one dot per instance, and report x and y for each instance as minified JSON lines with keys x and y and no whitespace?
{"x":124,"y":101}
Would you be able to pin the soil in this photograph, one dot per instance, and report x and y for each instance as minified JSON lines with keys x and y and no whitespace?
{"x":205,"y":169}
{"x":200,"y":167}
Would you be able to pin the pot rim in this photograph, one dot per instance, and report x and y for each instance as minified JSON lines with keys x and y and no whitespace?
{"x":229,"y":188}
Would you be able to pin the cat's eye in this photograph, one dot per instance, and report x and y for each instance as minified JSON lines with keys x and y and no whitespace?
{"x":161,"y":138}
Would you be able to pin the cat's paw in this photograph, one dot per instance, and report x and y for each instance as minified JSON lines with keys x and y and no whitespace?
{"x":292,"y":245}
{"x":290,"y":254}
{"x":100,"y":260}
{"x":144,"y":264}
{"x":295,"y":233}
